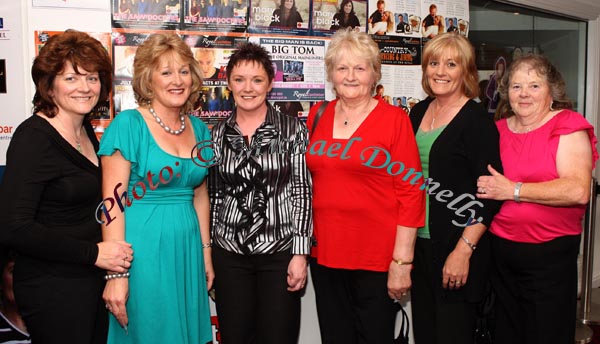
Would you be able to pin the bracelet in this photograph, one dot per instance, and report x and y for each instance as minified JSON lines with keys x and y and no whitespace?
{"x":517,"y":192}
{"x":111,"y":276}
{"x":207,"y":245}
{"x":400,"y":262}
{"x":470,"y":244}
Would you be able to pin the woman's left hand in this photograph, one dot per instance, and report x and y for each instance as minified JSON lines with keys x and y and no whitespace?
{"x":399,"y":281}
{"x":496,"y":186}
{"x":208,"y":266}
{"x":297,"y":272}
{"x":456,"y":268}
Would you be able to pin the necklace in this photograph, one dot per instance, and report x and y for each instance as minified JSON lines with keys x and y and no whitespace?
{"x":529,"y":127}
{"x":439,"y":111}
{"x":165,"y":127}
{"x":77,"y":138}
{"x":346,"y":121}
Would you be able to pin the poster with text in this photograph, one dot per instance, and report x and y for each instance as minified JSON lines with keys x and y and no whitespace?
{"x":290,"y":17}
{"x":402,"y":86}
{"x":328,"y":16}
{"x":215,"y":15}
{"x":146,"y":14}
{"x":299,"y":68}
{"x":394,"y":18}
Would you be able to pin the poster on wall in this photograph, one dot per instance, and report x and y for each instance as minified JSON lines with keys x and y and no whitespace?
{"x":300,"y":68}
{"x":215,"y":15}
{"x":212,"y":53}
{"x":329,"y":16}
{"x":444,"y":16}
{"x":145,"y":14}
{"x":100,"y":117}
{"x":12,"y":84}
{"x":401,"y":86}
{"x":399,"y":18}
{"x":289,"y":17}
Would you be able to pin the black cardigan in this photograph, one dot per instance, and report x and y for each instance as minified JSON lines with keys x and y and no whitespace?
{"x":457,"y":158}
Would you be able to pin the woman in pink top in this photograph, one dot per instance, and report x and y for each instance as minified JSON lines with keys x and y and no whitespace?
{"x":548,"y":153}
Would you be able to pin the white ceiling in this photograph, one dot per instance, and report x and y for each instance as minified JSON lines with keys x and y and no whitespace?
{"x":582,"y":9}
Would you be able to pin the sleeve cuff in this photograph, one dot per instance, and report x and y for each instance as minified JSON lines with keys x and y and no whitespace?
{"x":301,"y":245}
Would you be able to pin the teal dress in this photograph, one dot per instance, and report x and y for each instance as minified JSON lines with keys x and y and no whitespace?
{"x":168,"y":300}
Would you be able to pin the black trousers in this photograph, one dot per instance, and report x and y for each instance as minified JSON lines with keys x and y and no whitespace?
{"x":353,"y":306}
{"x":437,"y":320}
{"x":253,"y":304}
{"x":59,"y":310}
{"x":536,"y":290}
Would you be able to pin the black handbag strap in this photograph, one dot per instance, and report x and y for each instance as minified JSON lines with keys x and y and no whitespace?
{"x":404,"y":328}
{"x":318,"y":115}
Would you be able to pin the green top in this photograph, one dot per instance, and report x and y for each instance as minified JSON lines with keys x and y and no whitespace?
{"x":425,"y":140}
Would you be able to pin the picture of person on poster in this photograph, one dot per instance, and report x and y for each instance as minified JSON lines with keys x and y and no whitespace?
{"x":376,"y":16}
{"x":289,"y":108}
{"x":286,"y":15}
{"x":212,"y":11}
{"x":402,"y":26}
{"x":225,"y":10}
{"x":435,"y":29}
{"x":451,"y":27}
{"x":206,"y":59}
{"x":385,"y":25}
{"x":345,"y":17}
{"x":125,"y":68}
{"x":491,"y":91}
{"x":277,"y":70}
{"x":429,"y":20}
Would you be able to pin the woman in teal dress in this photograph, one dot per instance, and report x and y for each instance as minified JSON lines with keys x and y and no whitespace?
{"x":148,"y":173}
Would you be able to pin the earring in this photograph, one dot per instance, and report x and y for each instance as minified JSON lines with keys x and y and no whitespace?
{"x":551,"y":108}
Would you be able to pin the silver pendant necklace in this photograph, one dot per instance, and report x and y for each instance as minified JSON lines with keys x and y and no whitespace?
{"x":165,"y":127}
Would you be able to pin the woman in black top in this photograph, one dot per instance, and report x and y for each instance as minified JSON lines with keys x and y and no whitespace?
{"x":286,"y":15}
{"x":345,"y":17}
{"x":49,"y":195}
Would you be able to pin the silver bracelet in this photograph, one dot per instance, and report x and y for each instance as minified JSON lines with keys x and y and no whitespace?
{"x":111,"y":276}
{"x":207,"y":245}
{"x":517,"y":192}
{"x":470,"y":244}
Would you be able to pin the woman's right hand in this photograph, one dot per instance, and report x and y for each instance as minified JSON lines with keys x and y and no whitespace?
{"x":115,"y":295}
{"x":114,"y":256}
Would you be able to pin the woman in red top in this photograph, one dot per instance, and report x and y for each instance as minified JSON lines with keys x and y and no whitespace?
{"x":363,"y":160}
{"x":548,"y":152}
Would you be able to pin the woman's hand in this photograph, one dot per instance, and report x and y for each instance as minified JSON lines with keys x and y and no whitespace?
{"x":456,"y":268}
{"x":297,"y":272}
{"x":115,"y":295}
{"x":114,"y":256}
{"x":399,"y":281}
{"x":496,"y":186}
{"x":208,"y":266}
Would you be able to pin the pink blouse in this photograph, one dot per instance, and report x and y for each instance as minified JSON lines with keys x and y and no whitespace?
{"x":531,"y":157}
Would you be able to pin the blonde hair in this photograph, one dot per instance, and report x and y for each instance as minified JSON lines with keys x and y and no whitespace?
{"x":146,"y":61}
{"x":464,"y":56}
{"x":358,"y":44}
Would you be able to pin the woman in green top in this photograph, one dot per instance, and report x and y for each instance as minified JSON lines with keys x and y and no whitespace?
{"x":457,"y":140}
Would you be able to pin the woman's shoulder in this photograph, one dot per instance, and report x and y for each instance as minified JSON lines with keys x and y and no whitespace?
{"x":200,"y":128}
{"x":34,"y":129}
{"x":568,"y":121}
{"x":130,"y":117}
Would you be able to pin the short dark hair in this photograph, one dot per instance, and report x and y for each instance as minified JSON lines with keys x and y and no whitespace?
{"x":251,"y":52}
{"x":82,"y":51}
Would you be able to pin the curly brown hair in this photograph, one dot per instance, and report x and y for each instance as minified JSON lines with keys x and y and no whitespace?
{"x":77,"y":48}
